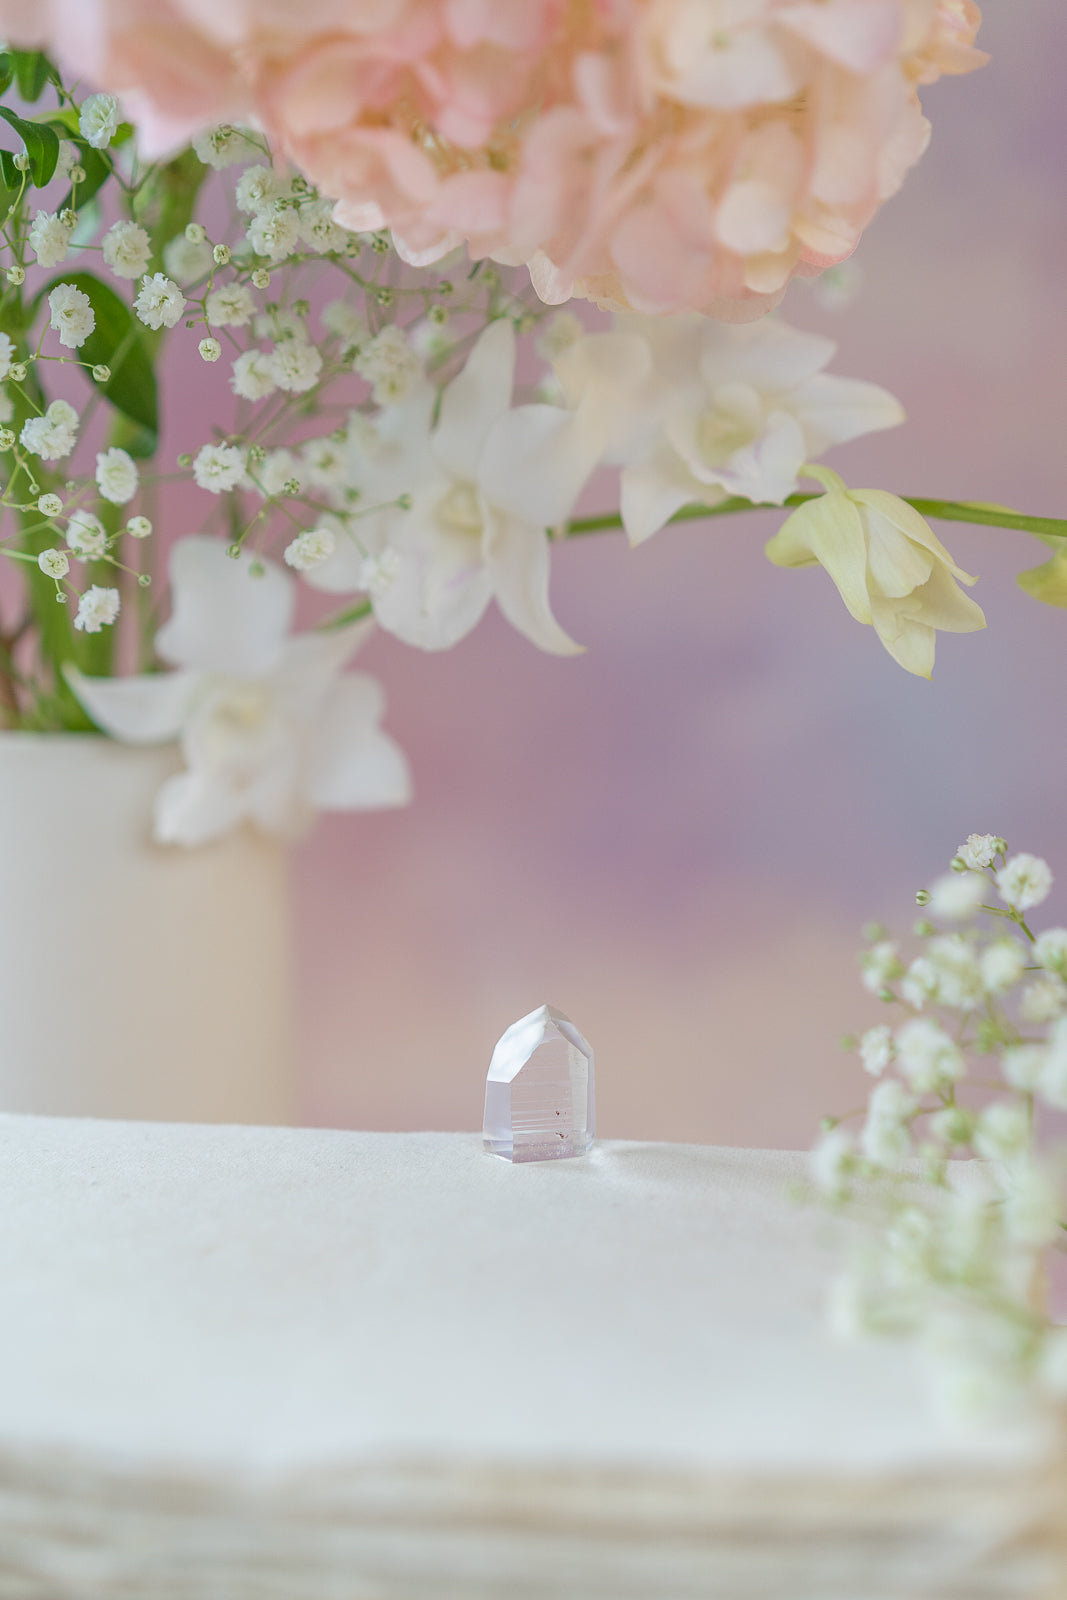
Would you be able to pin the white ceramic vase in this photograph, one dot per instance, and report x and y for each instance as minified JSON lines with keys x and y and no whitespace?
{"x":136,"y":980}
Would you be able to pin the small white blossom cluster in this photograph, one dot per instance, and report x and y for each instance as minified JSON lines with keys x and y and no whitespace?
{"x":952,"y":1250}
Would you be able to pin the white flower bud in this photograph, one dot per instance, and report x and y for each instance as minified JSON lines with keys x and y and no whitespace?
{"x":53,"y":563}
{"x":210,"y":349}
{"x":50,"y":505}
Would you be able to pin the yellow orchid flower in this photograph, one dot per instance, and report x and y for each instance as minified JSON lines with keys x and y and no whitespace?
{"x":889,"y":566}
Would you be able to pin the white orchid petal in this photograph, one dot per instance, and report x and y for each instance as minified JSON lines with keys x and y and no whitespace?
{"x":537,"y":460}
{"x":147,"y":709}
{"x":605,"y":375}
{"x":438,"y":587}
{"x":193,"y":807}
{"x":771,"y":356}
{"x":518,"y":562}
{"x":474,"y":400}
{"x":653,"y":489}
{"x":353,"y":765}
{"x":224,"y":620}
{"x":833,"y":410}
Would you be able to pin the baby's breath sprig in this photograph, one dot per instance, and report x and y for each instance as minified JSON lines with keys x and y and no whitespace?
{"x":952,"y":1252}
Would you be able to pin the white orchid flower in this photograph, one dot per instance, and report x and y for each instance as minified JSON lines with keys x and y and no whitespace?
{"x":726,"y":409}
{"x":484,"y":484}
{"x":270,"y":726}
{"x":889,"y":566}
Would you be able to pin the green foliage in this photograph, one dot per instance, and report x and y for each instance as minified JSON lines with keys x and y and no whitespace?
{"x":116,"y":342}
{"x":42,"y":149}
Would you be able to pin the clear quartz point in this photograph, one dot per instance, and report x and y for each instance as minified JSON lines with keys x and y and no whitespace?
{"x":539,"y":1097}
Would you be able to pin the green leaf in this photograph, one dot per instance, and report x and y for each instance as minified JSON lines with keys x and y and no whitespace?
{"x":116,"y":342}
{"x":1048,"y":582}
{"x":32,"y":71}
{"x":41,"y":142}
{"x":95,"y":163}
{"x":7,"y":69}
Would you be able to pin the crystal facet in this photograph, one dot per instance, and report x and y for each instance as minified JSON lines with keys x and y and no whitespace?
{"x":539,"y":1099}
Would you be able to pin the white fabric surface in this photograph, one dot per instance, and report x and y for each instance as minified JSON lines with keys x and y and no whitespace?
{"x":273,"y":1298}
{"x":271,"y":1364}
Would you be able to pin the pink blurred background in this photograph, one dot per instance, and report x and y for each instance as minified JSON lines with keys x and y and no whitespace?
{"x":677,"y":837}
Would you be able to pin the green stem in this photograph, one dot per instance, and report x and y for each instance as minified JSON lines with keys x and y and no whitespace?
{"x":943,"y":510}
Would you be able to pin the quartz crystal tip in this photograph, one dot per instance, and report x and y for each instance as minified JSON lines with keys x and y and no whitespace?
{"x":539,"y":1095}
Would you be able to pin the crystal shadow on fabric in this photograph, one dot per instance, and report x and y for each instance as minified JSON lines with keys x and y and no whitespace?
{"x":539,"y":1091}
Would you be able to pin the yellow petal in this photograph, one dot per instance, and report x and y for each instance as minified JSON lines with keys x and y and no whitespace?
{"x":908,"y":520}
{"x":1048,"y":582}
{"x":831,"y":528}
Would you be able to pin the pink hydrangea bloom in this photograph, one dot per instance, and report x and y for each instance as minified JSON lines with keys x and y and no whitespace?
{"x":662,"y":155}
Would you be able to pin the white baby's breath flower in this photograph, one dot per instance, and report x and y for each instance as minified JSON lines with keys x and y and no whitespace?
{"x":346,"y":325}
{"x":959,"y":978}
{"x":222,"y":147}
{"x":1053,"y":1080}
{"x":1033,"y":1206}
{"x":295,"y":366}
{"x":1050,"y":950}
{"x":318,"y":229}
{"x":957,"y":895}
{"x":67,"y":159}
{"x":117,"y":476}
{"x":876,"y":1049}
{"x":257,"y":188}
{"x":885,"y":1138}
{"x":953,"y":1125}
{"x":920,"y":983}
{"x":127,"y":249}
{"x":274,"y":234}
{"x":71,"y":315}
{"x":927,"y":1057}
{"x":53,"y":563}
{"x":1042,"y":1000}
{"x":253,"y":377}
{"x":980,"y":850}
{"x":1002,"y":1131}
{"x":7,"y":356}
{"x":49,"y":239}
{"x":432,"y":340}
{"x":49,"y":505}
{"x":54,"y":435}
{"x":97,"y":608}
{"x":389,"y":365}
{"x":218,"y":467}
{"x":1023,"y":1065}
{"x":159,"y":303}
{"x":185,"y":261}
{"x":310,"y":549}
{"x":277,"y":473}
{"x":86,"y":535}
{"x":98,"y":118}
{"x":881,"y":965}
{"x":326,"y":461}
{"x":1002,"y":964}
{"x":1024,"y":881}
{"x":230,"y":307}
{"x":210,"y":350}
{"x":139,"y":528}
{"x":831,"y":1161}
{"x":280,"y":323}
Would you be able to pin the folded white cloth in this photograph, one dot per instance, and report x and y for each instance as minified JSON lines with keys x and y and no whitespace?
{"x":244,"y":1362}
